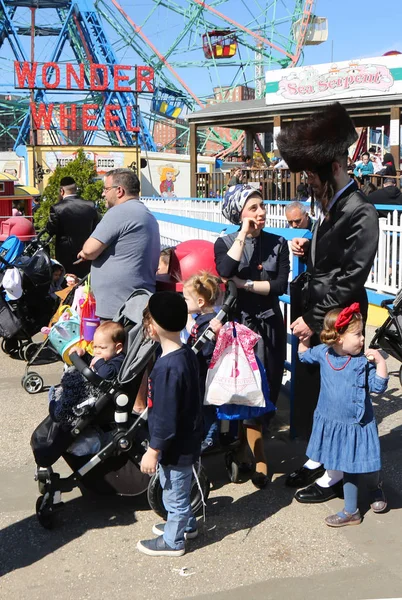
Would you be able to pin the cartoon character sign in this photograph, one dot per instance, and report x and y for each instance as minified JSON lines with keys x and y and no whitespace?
{"x":168,"y":174}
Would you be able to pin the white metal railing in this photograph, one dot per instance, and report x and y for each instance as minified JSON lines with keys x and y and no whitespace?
{"x":385,"y":277}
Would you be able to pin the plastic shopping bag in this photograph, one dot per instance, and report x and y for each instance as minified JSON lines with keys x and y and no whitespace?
{"x":237,"y":412}
{"x":233,"y":376}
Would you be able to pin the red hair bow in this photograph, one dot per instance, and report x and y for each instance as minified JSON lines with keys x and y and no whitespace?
{"x":345,"y":316}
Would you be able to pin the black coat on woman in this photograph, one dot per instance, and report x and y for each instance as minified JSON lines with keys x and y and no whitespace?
{"x":264,"y":258}
{"x":340,"y":259}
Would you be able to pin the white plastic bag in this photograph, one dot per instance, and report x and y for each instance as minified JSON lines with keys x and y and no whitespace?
{"x":233,"y":376}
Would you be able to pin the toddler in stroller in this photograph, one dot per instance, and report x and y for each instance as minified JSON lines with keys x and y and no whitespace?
{"x":69,"y":399}
{"x":115,"y":468}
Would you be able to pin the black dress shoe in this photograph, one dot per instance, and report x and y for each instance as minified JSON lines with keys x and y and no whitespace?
{"x":313,"y":494}
{"x":303,"y":476}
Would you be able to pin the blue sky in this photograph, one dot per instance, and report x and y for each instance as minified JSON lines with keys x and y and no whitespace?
{"x":356,"y":29}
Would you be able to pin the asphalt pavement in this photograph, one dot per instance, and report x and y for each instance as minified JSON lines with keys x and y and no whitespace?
{"x":256,"y":544}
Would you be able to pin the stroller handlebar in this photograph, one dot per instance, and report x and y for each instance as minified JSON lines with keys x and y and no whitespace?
{"x":83,"y":368}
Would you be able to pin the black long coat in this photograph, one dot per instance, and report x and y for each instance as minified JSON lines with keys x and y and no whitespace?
{"x":71,"y":221}
{"x":340,"y":258}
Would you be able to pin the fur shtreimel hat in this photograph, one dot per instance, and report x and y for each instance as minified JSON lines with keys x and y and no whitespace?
{"x":318,"y":140}
{"x":168,"y":310}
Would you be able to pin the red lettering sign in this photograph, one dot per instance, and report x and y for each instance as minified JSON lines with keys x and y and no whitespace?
{"x":68,"y":115}
{"x":79,"y":79}
{"x":110,"y":118}
{"x":25,"y":71}
{"x":99,"y":82}
{"x":54,"y":67}
{"x":129,"y":120}
{"x":86,"y":117}
{"x":145,"y":75}
{"x":43,"y":113}
{"x":117,"y":78}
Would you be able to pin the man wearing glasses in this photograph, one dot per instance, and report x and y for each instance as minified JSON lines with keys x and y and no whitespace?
{"x":125,"y":246}
{"x":339,"y":259}
{"x":297,"y":216}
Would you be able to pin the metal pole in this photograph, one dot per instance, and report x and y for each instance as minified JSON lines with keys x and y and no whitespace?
{"x":32,"y":95}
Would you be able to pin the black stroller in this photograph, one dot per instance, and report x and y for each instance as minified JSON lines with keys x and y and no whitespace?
{"x":388,"y":337}
{"x":21,"y":319}
{"x":114,"y":469}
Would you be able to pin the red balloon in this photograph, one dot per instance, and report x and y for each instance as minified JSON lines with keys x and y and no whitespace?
{"x":188,"y":259}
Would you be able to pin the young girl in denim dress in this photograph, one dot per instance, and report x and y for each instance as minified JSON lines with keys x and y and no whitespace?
{"x":345,"y":435}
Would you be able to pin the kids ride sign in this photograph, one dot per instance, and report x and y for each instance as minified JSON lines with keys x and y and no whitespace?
{"x":74,"y":78}
{"x":361,"y":78}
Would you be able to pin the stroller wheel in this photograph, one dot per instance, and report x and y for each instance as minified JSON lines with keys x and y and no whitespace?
{"x":10,"y":346}
{"x":155,"y":493}
{"x":32,"y":383}
{"x":44,"y":513}
{"x":29,"y":351}
{"x":232,"y":467}
{"x":400,"y":375}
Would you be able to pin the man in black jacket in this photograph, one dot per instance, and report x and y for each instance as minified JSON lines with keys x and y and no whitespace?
{"x":389,"y":194}
{"x":71,"y":221}
{"x":339,"y":259}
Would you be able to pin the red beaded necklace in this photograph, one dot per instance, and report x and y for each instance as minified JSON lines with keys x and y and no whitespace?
{"x":338,"y":368}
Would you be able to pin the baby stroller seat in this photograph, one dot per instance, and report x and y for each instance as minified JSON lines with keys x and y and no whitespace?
{"x":115,"y":467}
{"x":388,"y":337}
{"x":22,"y":318}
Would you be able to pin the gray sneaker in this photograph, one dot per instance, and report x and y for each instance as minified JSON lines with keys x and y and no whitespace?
{"x":159,"y":529}
{"x":158,"y":547}
{"x":344,"y":518}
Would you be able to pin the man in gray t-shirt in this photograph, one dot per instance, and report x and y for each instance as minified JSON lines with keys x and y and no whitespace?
{"x":125,"y":246}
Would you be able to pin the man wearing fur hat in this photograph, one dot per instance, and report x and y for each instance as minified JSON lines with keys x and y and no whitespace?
{"x":339,"y":259}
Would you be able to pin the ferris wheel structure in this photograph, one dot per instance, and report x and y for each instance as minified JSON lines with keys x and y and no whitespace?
{"x":201,"y":53}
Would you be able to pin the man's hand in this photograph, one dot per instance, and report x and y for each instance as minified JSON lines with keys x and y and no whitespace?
{"x":301,"y":330}
{"x":299,"y":246}
{"x":149,"y":461}
{"x":80,"y":256}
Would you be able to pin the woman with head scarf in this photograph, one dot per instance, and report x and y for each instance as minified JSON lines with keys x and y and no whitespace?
{"x":258,"y":263}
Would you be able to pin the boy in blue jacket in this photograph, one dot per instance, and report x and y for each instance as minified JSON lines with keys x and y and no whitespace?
{"x":175,"y":423}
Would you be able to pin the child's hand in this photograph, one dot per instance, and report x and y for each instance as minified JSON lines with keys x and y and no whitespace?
{"x":80,"y":351}
{"x":374,"y":356}
{"x":304,"y":345}
{"x":215,"y":325}
{"x":149,"y":461}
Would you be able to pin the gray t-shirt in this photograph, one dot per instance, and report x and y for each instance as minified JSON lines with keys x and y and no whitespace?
{"x":130,"y":260}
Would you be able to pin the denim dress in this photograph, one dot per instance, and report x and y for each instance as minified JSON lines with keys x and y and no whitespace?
{"x":345,"y":435}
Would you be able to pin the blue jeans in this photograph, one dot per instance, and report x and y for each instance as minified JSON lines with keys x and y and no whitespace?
{"x":176,"y":485}
{"x":211,"y":424}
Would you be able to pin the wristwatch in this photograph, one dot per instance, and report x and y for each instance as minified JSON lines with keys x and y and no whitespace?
{"x":249,"y":285}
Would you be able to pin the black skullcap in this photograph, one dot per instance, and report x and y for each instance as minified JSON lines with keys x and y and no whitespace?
{"x":168,"y":310}
{"x":67,"y":181}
